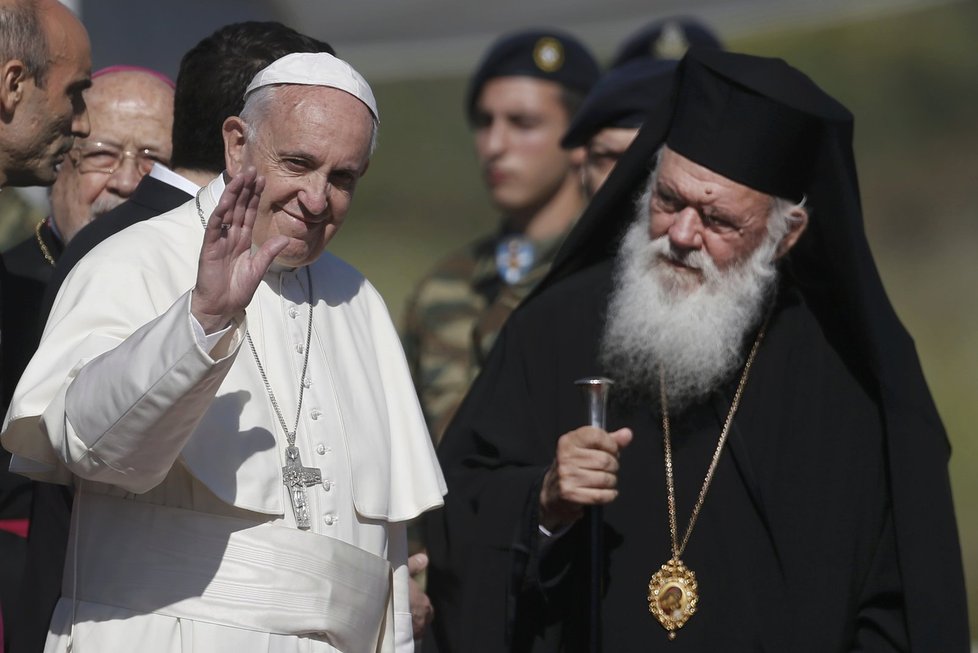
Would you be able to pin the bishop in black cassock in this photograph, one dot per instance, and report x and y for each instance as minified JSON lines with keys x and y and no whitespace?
{"x":828,"y":525}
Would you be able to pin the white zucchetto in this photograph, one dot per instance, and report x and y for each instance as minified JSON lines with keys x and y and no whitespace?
{"x":316,"y":69}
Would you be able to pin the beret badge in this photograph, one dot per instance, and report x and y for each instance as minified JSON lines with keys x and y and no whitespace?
{"x":548,"y":54}
{"x":672,"y":42}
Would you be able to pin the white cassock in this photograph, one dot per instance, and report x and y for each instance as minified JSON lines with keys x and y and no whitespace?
{"x":183,"y":534}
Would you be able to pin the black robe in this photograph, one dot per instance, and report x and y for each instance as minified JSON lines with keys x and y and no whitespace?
{"x":27,"y":273}
{"x":793,"y":550}
{"x":149,"y":199}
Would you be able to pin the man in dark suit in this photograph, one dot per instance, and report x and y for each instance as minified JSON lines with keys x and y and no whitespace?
{"x":210,"y":87}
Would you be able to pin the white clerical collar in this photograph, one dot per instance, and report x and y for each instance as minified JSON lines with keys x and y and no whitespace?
{"x":215,"y":189}
{"x":161,"y":173}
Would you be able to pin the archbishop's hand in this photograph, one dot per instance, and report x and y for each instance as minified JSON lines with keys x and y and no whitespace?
{"x":584,"y":473}
{"x":228,"y":273}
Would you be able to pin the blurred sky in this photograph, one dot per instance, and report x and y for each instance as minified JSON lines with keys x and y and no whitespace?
{"x":401,"y":39}
{"x":391,"y":39}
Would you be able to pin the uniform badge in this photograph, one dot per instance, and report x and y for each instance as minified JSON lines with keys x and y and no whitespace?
{"x":672,"y":42}
{"x":548,"y":54}
{"x":514,"y":259}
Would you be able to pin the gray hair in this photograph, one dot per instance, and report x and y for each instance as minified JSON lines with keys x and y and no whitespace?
{"x":23,"y":38}
{"x":782,"y":218}
{"x":260,"y":102}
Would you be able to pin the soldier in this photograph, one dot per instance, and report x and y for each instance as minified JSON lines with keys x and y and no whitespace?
{"x":612,"y":113}
{"x":666,"y":38}
{"x":638,"y":82}
{"x":520,"y":102}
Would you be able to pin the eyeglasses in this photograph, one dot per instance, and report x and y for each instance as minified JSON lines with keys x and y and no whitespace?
{"x":95,"y":156}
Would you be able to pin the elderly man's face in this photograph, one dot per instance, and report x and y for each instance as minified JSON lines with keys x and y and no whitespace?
{"x":699,"y":210}
{"x":131,"y":114}
{"x":603,"y":151}
{"x":312,"y":147}
{"x":50,"y":116}
{"x":519,"y":122}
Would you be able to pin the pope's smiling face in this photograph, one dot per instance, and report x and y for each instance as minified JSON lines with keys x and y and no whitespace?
{"x":312,"y":145}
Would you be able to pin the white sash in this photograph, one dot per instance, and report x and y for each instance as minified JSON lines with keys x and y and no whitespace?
{"x":228,"y":571}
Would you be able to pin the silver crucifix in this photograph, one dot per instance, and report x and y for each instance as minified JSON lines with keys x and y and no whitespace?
{"x":297,"y":478}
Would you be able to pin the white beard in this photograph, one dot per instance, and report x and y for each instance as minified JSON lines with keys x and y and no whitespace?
{"x":103,"y":205}
{"x":659,"y":320}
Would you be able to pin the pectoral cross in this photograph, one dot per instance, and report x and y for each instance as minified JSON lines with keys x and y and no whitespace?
{"x":297,"y":478}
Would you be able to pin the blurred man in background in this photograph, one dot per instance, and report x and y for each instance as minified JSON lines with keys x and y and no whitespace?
{"x":613,"y":112}
{"x":45,"y":65}
{"x":666,"y":38}
{"x":131,"y":114}
{"x":639,"y":81}
{"x":520,"y":102}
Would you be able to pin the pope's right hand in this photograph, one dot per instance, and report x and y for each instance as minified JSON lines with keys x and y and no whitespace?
{"x":584,"y":473}
{"x":228,"y":271}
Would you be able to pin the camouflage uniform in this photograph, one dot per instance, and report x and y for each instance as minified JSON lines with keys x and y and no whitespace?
{"x":453,"y":318}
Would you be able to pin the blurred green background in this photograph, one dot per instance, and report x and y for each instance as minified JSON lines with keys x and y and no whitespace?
{"x":910,"y":78}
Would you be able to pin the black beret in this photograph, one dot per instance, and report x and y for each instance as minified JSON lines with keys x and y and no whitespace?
{"x":623,"y":97}
{"x":754,"y":120}
{"x":668,"y":38}
{"x":542,"y":53}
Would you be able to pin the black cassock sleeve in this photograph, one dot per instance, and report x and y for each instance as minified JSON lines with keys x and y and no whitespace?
{"x":494,"y":455}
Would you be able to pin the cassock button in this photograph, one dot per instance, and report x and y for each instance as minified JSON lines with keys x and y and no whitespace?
{"x":293,"y":312}
{"x":330,"y":519}
{"x":306,"y":382}
{"x":299,"y":348}
{"x":315,"y":413}
{"x":321,"y":449}
{"x":327,"y":485}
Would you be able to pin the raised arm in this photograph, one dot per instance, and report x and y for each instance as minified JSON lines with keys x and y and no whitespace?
{"x":228,"y":272}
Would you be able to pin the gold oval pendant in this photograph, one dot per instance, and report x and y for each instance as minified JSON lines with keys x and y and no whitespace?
{"x":673,"y":595}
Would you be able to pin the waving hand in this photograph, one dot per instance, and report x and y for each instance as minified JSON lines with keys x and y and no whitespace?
{"x":228,"y":272}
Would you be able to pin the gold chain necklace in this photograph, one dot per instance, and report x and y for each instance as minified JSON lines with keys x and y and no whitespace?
{"x":40,"y":242}
{"x":673,"y":590}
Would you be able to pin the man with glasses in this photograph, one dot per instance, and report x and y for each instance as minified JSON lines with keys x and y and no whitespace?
{"x":131,"y":111}
{"x":131,"y":114}
{"x":45,"y":61}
